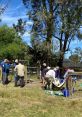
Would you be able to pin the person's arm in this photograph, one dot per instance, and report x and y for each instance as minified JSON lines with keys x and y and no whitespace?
{"x":15,"y":69}
{"x":24,"y":69}
{"x":54,"y":75}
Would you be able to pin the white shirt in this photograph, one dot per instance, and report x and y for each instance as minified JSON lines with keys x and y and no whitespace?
{"x":20,"y":69}
{"x":50,"y":73}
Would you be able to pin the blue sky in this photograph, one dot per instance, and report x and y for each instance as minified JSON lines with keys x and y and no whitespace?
{"x":13,"y":12}
{"x":16,"y":10}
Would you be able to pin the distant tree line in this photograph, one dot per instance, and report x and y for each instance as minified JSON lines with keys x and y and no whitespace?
{"x":55,"y":24}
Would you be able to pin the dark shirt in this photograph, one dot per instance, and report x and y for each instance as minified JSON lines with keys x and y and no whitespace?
{"x":5,"y":67}
{"x":57,"y":73}
{"x":43,"y":67}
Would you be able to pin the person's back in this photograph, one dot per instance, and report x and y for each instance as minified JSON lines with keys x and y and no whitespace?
{"x":20,"y":69}
{"x":5,"y":71}
{"x":50,"y":73}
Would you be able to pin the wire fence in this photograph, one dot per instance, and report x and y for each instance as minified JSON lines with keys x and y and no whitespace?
{"x":33,"y":71}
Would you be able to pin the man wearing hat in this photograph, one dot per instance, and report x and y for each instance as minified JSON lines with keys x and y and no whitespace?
{"x":20,"y":70}
{"x":5,"y":71}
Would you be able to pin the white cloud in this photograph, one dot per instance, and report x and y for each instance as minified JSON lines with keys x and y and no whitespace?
{"x":29,"y":23}
{"x":27,"y":40}
{"x":27,"y":34}
{"x":9,"y":20}
{"x":12,"y":14}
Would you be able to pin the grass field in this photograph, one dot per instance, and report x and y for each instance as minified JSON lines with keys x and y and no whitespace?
{"x":32,"y":101}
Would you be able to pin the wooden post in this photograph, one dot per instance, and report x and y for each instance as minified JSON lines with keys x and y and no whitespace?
{"x":25,"y":76}
{"x":69,"y":85}
{"x":0,"y":73}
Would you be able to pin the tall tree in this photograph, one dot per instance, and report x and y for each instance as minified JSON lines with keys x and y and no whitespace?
{"x":20,"y":26}
{"x":55,"y":18}
{"x":11,"y":45}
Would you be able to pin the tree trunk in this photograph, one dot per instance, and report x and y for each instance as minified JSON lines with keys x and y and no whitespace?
{"x":60,"y":64}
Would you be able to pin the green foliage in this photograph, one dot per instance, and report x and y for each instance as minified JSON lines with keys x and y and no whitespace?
{"x":11,"y":44}
{"x":10,"y":51}
{"x":20,"y":27}
{"x":59,"y":19}
{"x":41,"y":52}
{"x":7,"y":35}
{"x":74,"y":58}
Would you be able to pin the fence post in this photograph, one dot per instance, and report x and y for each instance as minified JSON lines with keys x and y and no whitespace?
{"x":0,"y":73}
{"x":25,"y":76}
{"x":69,"y":85}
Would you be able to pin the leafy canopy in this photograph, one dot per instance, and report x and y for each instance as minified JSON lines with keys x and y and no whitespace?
{"x":11,"y":45}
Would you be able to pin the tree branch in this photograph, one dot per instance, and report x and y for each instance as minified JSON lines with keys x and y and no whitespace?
{"x":57,"y":37}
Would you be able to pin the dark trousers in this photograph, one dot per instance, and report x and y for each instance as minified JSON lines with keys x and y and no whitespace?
{"x":19,"y":81}
{"x":4,"y":78}
{"x":47,"y":83}
{"x":16,"y":80}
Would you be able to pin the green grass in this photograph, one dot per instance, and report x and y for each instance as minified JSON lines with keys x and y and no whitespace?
{"x":32,"y":101}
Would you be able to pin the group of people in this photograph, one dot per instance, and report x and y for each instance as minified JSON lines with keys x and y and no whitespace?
{"x":47,"y":72}
{"x":49,"y":75}
{"x":19,"y":71}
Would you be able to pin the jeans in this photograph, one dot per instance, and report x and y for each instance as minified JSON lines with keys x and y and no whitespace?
{"x":4,"y":78}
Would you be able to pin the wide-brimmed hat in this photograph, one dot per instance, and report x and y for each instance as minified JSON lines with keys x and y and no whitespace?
{"x":48,"y":67}
{"x":5,"y":60}
{"x":16,"y":61}
{"x":44,"y":64}
{"x":57,"y":67}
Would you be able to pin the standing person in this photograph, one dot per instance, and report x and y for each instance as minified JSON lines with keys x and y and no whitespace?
{"x":5,"y":71}
{"x":20,"y":70}
{"x":43,"y":70}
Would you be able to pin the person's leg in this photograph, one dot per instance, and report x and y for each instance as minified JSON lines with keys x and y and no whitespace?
{"x":49,"y":83}
{"x":16,"y":80}
{"x":4,"y":78}
{"x":41,"y":78}
{"x":46,"y":83}
{"x":22,"y":81}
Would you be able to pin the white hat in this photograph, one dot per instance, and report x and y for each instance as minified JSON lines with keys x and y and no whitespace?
{"x":5,"y":60}
{"x":44,"y":64}
{"x":48,"y":67}
{"x":16,"y":61}
{"x":57,"y":67}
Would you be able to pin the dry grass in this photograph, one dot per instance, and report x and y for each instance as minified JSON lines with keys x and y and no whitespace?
{"x":32,"y":101}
